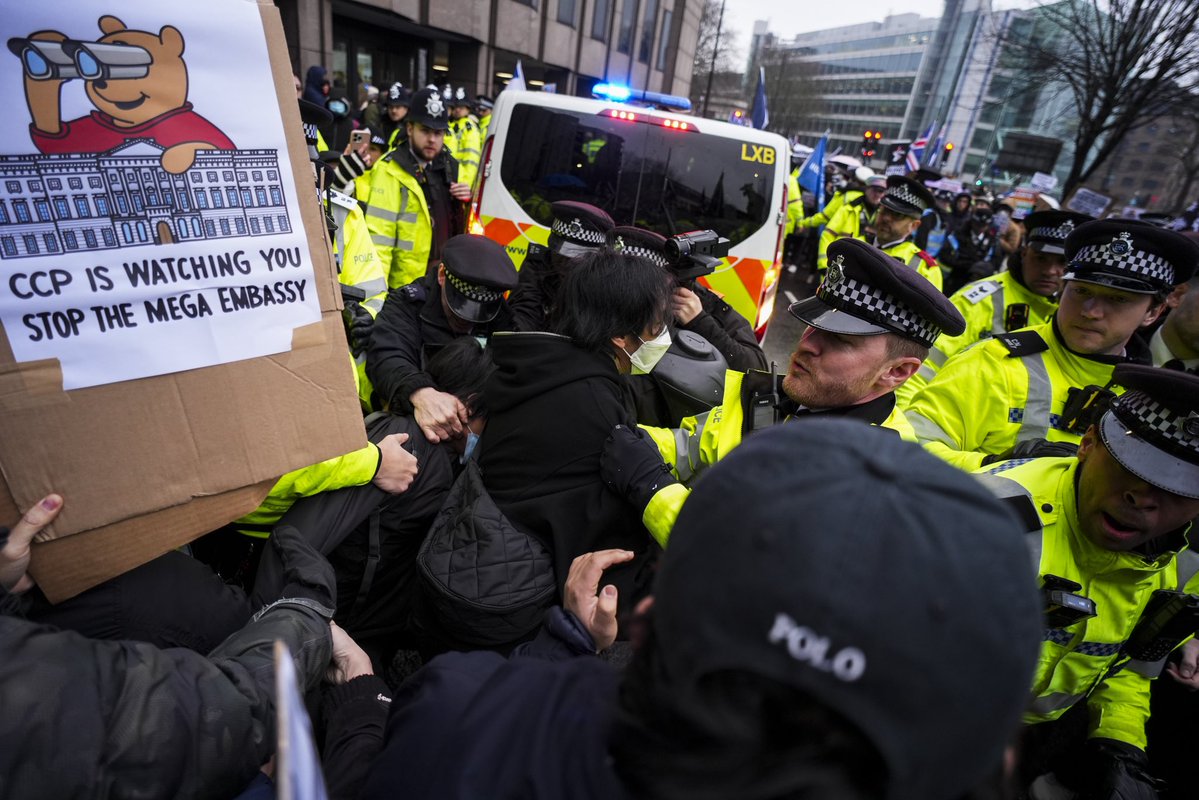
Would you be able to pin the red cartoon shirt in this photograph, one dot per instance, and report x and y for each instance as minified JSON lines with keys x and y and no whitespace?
{"x":97,"y":133}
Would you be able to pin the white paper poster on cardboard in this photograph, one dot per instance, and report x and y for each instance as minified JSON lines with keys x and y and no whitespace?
{"x":148,"y":218}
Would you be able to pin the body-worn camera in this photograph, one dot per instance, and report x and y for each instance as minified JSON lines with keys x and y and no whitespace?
{"x":1063,"y":605}
{"x":695,"y":254}
{"x":92,"y":61}
{"x":1085,"y":407}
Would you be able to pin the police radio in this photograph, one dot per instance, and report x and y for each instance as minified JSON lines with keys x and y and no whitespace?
{"x":1169,"y":618}
{"x":1016,"y":317}
{"x":695,"y":254}
{"x":1063,"y":605}
{"x":1084,"y":407}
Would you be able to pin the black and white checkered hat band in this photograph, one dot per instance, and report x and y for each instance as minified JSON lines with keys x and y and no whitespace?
{"x":1055,"y":234}
{"x":1134,"y":263}
{"x":575,"y":231}
{"x":1177,"y":434}
{"x":644,"y":252}
{"x":868,"y":303}
{"x":906,"y":196}
{"x":310,"y":132}
{"x":471,"y":291}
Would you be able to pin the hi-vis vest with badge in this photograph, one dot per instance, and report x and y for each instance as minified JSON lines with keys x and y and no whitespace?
{"x":1009,"y":389}
{"x":704,"y":439}
{"x":994,"y":305}
{"x":466,"y":143}
{"x":399,"y":220}
{"x":360,"y":269}
{"x":1075,"y":660}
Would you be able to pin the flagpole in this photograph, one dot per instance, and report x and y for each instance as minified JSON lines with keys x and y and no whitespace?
{"x":715,"y":50}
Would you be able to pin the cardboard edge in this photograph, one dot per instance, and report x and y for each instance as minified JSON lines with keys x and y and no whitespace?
{"x":65,"y":567}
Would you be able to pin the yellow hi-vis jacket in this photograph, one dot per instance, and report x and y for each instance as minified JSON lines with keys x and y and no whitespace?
{"x":919,"y":260}
{"x":484,"y":124}
{"x":1002,"y":391}
{"x":834,"y":204}
{"x":352,"y":469}
{"x":984,"y":305}
{"x":794,"y":203}
{"x":465,"y":143}
{"x":704,"y":439}
{"x":848,"y":222}
{"x":399,"y":220}
{"x":1075,"y":660}
{"x":359,"y":268}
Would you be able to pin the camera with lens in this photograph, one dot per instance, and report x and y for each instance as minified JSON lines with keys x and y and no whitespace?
{"x":91,"y":61}
{"x":695,"y":254}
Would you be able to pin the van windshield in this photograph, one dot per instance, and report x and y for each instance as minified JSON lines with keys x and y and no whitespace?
{"x":656,"y":178}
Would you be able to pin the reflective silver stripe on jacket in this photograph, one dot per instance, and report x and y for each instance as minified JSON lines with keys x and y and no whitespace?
{"x":1035,"y":424}
{"x":340,"y":214}
{"x":927,"y":430}
{"x":404,"y":214}
{"x":997,"y":309}
{"x":686,"y":448}
{"x":1048,"y":703}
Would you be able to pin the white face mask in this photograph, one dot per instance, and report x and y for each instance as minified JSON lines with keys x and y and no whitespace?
{"x":647,"y":356}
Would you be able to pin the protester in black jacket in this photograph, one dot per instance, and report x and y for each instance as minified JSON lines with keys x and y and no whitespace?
{"x":554,"y":399}
{"x":88,"y":718}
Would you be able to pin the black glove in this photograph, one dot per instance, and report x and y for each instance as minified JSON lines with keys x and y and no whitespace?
{"x":632,"y":467}
{"x":349,"y":167}
{"x":1035,"y":448}
{"x":1115,"y":770}
{"x":359,"y":324}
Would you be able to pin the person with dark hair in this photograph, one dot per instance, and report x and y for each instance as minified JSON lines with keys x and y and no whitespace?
{"x":786,"y":653}
{"x":554,"y":399}
{"x":370,"y":536}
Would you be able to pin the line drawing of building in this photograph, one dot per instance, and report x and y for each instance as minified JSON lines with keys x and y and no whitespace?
{"x":77,"y":202}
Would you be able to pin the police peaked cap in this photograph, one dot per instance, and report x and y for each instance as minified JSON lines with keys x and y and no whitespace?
{"x":477,"y":273}
{"x":907,"y":196}
{"x":397,"y":95}
{"x":867,"y":292}
{"x":1048,"y":230}
{"x":428,"y":109}
{"x":312,"y":115}
{"x":1153,"y":428}
{"x":483,"y":101}
{"x":631,"y":241}
{"x":460,"y":96}
{"x":578,"y":228}
{"x":1129,"y":255}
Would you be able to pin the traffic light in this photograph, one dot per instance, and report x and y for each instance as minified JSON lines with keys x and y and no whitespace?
{"x":948,"y":149}
{"x":870,"y":140}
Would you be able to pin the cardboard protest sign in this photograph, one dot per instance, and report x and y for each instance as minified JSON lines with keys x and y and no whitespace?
{"x":169,"y":333}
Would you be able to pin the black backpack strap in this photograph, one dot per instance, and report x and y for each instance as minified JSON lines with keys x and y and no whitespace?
{"x":372,"y":560}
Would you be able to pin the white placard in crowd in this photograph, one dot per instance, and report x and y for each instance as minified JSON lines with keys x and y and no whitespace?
{"x":1042,"y":182}
{"x":148,"y":217}
{"x":1084,"y":201}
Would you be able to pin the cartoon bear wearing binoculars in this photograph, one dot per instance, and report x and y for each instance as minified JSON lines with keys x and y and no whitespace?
{"x":137,"y":81}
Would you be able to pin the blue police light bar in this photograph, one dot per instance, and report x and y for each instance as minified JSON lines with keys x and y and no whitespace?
{"x":623,"y":94}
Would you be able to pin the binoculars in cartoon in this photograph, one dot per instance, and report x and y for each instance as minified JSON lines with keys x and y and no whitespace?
{"x":91,"y":61}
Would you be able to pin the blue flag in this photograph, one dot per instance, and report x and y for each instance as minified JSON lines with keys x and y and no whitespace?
{"x":759,"y":114}
{"x":811,"y":174}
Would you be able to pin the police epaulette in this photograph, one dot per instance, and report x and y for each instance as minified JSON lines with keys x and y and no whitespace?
{"x":1025,"y":510}
{"x":1021,"y":344}
{"x":858,"y":201}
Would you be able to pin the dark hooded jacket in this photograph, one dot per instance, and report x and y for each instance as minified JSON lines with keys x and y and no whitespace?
{"x":313,"y":80}
{"x":553,"y":405}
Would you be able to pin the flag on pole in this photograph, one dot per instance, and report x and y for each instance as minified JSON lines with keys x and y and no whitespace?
{"x":517,"y":82}
{"x":934,"y":154}
{"x":811,"y":173}
{"x":759,"y":114}
{"x":917,"y":148}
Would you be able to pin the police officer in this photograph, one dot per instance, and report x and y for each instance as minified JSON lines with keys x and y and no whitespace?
{"x":899,"y":216}
{"x":395,"y":107}
{"x":1106,"y":530}
{"x":871,"y":324}
{"x":1050,"y":381}
{"x":576,"y":229}
{"x":854,"y":216}
{"x":465,"y":297}
{"x":1023,"y":296}
{"x":483,"y":106}
{"x":465,"y":141}
{"x":1176,"y":343}
{"x":414,"y":198}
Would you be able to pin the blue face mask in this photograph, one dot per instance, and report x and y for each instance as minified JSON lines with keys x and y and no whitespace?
{"x":472,"y":440}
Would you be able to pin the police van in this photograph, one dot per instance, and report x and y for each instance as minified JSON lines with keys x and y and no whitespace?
{"x":660,"y":170}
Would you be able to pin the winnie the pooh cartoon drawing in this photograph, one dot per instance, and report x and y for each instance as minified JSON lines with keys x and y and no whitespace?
{"x":147,"y":101}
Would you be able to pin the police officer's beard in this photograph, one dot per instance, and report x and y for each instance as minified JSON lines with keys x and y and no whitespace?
{"x":827,"y":391}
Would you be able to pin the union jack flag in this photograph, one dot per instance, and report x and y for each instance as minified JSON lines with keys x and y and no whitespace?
{"x":916,"y":151}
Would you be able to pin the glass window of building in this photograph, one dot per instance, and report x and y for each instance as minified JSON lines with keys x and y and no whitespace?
{"x":599,"y":20}
{"x":21,"y":209}
{"x":566,"y":12}
{"x":663,"y":39}
{"x":14,"y":187}
{"x":648,"y":19}
{"x":9,"y":245}
{"x":31,"y":246}
{"x":624,"y":37}
{"x":94,"y":182}
{"x":51,"y":242}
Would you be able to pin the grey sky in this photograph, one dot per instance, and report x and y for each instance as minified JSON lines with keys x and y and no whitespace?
{"x":789,"y":17}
